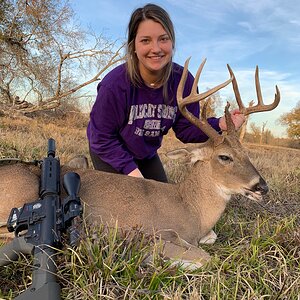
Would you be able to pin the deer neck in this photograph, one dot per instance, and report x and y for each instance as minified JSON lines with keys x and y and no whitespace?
{"x":205,"y":198}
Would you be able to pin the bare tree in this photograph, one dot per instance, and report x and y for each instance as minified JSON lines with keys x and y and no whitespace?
{"x":269,"y":138}
{"x":256,"y":131}
{"x":213,"y":104}
{"x":46,"y":59}
{"x":262,"y":133}
{"x":244,"y":126}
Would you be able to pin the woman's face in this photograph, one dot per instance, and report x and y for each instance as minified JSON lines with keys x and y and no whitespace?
{"x":153,"y":47}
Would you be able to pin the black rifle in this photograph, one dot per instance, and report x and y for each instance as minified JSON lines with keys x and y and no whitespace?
{"x":39,"y":227}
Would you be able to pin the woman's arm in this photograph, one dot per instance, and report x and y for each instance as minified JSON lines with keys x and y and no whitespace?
{"x":106,"y":119}
{"x":136,"y":173}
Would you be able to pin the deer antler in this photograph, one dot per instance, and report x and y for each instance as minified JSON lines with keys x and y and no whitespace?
{"x":258,"y":107}
{"x":200,"y":122}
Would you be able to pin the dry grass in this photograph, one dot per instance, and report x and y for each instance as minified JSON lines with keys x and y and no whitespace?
{"x":27,"y":139}
{"x":256,"y":255}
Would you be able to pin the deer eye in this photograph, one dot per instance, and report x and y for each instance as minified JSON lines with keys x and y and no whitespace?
{"x":225,"y":158}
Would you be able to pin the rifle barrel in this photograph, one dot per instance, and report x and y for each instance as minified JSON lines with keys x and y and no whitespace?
{"x":51,"y":148}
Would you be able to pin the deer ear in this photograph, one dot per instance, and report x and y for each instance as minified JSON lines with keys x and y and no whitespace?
{"x":178,"y":154}
{"x":191,"y":155}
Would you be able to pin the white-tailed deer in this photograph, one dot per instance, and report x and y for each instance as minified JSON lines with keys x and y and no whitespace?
{"x":183,"y":214}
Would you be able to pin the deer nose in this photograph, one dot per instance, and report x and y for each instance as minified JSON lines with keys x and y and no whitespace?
{"x":261,"y":187}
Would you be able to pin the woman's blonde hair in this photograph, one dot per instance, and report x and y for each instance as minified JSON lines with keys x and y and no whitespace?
{"x":157,"y":14}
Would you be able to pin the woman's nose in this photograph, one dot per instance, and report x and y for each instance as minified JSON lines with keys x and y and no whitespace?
{"x":155,"y":46}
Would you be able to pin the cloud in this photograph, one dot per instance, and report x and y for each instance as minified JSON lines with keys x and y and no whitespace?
{"x":222,"y":50}
{"x":200,"y":9}
{"x":295,"y":22}
{"x":247,"y":25}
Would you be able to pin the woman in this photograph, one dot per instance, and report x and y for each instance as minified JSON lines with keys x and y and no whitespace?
{"x":136,"y":103}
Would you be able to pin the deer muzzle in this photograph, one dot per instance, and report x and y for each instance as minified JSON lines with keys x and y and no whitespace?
{"x":261,"y":187}
{"x":257,"y":190}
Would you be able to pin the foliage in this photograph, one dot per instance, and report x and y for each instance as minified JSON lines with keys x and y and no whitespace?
{"x":46,"y":56}
{"x":292,"y":121}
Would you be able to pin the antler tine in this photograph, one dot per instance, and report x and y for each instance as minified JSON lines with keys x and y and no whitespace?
{"x":260,"y":106}
{"x":236,"y":91}
{"x":182,"y":82}
{"x":195,"y":97}
{"x":258,"y":88}
{"x":230,"y":125}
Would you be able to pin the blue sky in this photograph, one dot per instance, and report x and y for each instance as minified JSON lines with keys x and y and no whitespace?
{"x":240,"y":33}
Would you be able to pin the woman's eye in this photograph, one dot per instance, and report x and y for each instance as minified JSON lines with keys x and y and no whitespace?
{"x":165,"y":39}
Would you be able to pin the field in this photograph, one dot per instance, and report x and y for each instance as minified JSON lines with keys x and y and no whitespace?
{"x":256,"y":255}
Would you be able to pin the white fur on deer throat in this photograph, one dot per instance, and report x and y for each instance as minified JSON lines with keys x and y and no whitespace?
{"x":224,"y":192}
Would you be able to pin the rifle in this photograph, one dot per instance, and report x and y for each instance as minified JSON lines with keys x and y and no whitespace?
{"x":39,"y":227}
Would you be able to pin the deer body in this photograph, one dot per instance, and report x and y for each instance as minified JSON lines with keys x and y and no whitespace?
{"x":182,"y":214}
{"x":109,"y":197}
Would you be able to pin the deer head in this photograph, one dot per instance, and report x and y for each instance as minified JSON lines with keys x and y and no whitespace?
{"x":230,"y":165}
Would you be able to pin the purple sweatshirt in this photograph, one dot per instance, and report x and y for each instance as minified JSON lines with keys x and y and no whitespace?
{"x":128,"y":122}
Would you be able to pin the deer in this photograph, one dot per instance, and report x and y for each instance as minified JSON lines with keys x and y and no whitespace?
{"x":182,"y":214}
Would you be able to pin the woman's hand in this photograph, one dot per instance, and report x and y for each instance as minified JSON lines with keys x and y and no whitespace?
{"x":136,"y":173}
{"x":237,"y":118}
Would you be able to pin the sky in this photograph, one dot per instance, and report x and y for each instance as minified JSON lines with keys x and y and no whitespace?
{"x":240,"y":33}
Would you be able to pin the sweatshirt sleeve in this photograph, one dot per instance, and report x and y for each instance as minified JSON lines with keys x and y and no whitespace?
{"x":186,"y":131}
{"x":106,"y":118}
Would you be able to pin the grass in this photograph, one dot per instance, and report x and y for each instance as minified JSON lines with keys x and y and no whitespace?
{"x":256,"y":255}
